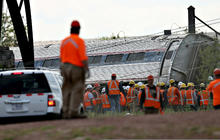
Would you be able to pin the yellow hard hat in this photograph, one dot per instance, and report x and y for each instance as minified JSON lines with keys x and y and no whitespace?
{"x":143,"y":86}
{"x":136,"y":86}
{"x":158,"y":84}
{"x":193,"y":84}
{"x":189,"y":85}
{"x":162,"y":84}
{"x":131,"y":82}
{"x":172,"y":81}
{"x":183,"y":85}
{"x":202,"y":85}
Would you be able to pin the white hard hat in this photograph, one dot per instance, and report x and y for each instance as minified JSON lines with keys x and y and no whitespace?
{"x":103,"y":90}
{"x":180,"y":83}
{"x":89,"y":87}
{"x":127,"y":87}
{"x":140,"y":84}
{"x":124,"y":87}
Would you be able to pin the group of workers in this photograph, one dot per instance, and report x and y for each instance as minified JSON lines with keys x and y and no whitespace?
{"x":151,"y":98}
{"x":116,"y":98}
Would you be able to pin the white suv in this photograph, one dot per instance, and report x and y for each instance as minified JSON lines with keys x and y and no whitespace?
{"x":30,"y":93}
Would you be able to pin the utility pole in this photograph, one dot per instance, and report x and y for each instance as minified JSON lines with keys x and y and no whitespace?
{"x":191,"y":20}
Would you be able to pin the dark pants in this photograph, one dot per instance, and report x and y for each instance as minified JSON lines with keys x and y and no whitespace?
{"x":217,"y":107}
{"x":151,"y":110}
{"x":72,"y":89}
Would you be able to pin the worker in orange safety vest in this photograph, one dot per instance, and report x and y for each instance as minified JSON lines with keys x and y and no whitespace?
{"x":203,"y":95}
{"x":191,"y":96}
{"x":173,"y":95}
{"x":89,"y":101}
{"x":96,"y":94}
{"x":122,"y":101}
{"x":150,"y":98}
{"x":113,"y":90}
{"x":131,"y":97}
{"x":214,"y":87}
{"x":105,"y":101}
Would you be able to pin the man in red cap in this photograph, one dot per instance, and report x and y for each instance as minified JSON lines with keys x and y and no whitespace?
{"x":113,"y":90}
{"x":74,"y":69}
{"x":214,"y":87}
{"x":150,"y":97}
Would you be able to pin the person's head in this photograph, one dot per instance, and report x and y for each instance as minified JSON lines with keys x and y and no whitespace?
{"x":131,"y":83}
{"x":150,"y":80}
{"x":162,"y":85}
{"x":217,"y":73}
{"x":75,"y":27}
{"x":172,"y":82}
{"x":113,"y":76}
{"x":103,"y":91}
{"x":89,"y":88}
{"x":202,"y":86}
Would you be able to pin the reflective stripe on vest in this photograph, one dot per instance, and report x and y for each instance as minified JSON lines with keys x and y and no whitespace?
{"x":181,"y":96}
{"x":105,"y":100}
{"x":152,"y":99}
{"x":132,"y":94}
{"x":202,"y":98}
{"x":110,"y":86}
{"x":217,"y":84}
{"x":172,"y":93}
{"x":71,"y":41}
{"x":191,"y":97}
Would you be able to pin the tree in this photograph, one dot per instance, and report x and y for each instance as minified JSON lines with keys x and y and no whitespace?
{"x":8,"y":37}
{"x":209,"y":60}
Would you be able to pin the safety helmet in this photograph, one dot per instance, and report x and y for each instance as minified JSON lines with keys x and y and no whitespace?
{"x":114,"y":74}
{"x":75,"y":23}
{"x":131,"y":82}
{"x":183,"y":85}
{"x":150,"y":77}
{"x":143,"y":86}
{"x":136,"y":86}
{"x":103,"y":90}
{"x":158,"y":84}
{"x":217,"y":71}
{"x":96,"y":85}
{"x":162,"y":84}
{"x":189,"y":84}
{"x":180,"y":83}
{"x":89,"y":87}
{"x":193,"y":84}
{"x":127,"y":87}
{"x":202,"y":85}
{"x":172,"y":81}
{"x":140,"y":84}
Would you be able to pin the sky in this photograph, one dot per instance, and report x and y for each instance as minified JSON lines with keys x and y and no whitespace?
{"x":102,"y":18}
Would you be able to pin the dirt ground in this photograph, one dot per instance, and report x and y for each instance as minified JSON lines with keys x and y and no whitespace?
{"x":173,"y":125}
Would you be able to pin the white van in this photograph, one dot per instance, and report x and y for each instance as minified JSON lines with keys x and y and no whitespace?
{"x":30,"y":93}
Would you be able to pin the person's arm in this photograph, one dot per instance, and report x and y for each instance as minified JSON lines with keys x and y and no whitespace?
{"x":91,"y":97}
{"x":142,"y":98}
{"x":121,"y":89}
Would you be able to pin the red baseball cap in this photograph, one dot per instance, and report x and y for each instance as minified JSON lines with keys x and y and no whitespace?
{"x":75,"y":23}
{"x":150,"y":77}
{"x":114,"y":74}
{"x":217,"y":71}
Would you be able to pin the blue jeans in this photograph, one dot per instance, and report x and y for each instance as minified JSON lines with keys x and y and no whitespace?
{"x":115,"y":103}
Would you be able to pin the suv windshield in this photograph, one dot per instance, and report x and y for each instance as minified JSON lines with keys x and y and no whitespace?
{"x":25,"y":83}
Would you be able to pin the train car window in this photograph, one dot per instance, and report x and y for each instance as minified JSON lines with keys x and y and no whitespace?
{"x":169,"y":55}
{"x":38,"y":63}
{"x":56,"y":63}
{"x":95,"y":59}
{"x":136,"y":56}
{"x":20,"y":64}
{"x":91,"y":59}
{"x":47,"y":63}
{"x":154,"y":56}
{"x":114,"y":58}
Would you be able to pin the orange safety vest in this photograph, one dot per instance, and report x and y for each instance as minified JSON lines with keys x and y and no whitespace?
{"x":151,"y":101}
{"x":113,"y":87}
{"x":131,"y":95}
{"x":182,"y":96}
{"x":162,"y":93}
{"x":173,"y":96}
{"x":98,"y":98}
{"x":105,"y":101}
{"x":204,"y":97}
{"x":190,"y":97}
{"x":86,"y":100}
{"x":214,"y":87}
{"x":122,"y":100}
{"x":73,"y":50}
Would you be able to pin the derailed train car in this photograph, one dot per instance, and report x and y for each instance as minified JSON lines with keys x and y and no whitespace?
{"x":163,"y":56}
